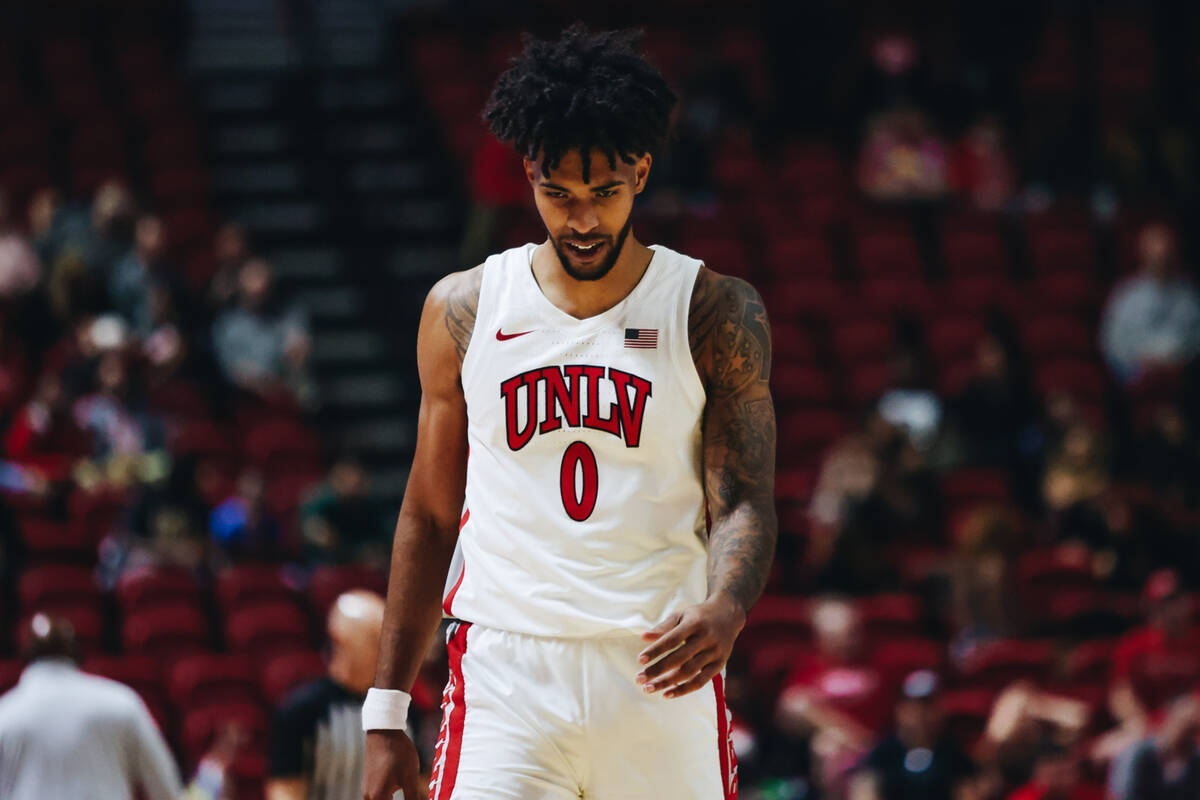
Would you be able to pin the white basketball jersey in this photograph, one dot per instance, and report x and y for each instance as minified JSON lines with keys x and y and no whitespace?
{"x":584,"y":512}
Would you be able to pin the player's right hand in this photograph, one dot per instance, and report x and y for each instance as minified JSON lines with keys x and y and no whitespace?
{"x":390,"y":763}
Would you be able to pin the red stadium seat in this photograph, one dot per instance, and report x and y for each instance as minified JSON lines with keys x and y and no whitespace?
{"x":275,"y":443}
{"x":725,"y":255}
{"x":143,"y":674}
{"x":770,"y":662}
{"x":795,"y":484}
{"x":790,"y":344}
{"x":328,"y":582}
{"x":965,"y":713}
{"x":902,"y":655}
{"x":887,"y":254}
{"x":868,"y":381}
{"x":1056,"y":568}
{"x":267,"y":629}
{"x":801,"y":385}
{"x":49,"y":587}
{"x":1090,"y":661}
{"x":818,"y":296}
{"x":805,"y":433}
{"x":889,"y":616}
{"x":1050,"y":335}
{"x":200,"y":725}
{"x":1004,"y":661}
{"x":10,"y":673}
{"x":246,"y":585}
{"x":954,"y":338}
{"x":284,"y":673}
{"x":149,"y":587}
{"x":1065,"y":291}
{"x":906,"y":294}
{"x":168,"y":631}
{"x":212,"y":679}
{"x":980,"y":293}
{"x":1083,"y":380}
{"x":974,"y":252}
{"x":800,"y":255}
{"x":976,"y":486}
{"x":50,"y":539}
{"x":864,"y":340}
{"x":777,"y":618}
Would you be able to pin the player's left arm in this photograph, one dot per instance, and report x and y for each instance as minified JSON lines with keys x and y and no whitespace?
{"x":731,"y":346}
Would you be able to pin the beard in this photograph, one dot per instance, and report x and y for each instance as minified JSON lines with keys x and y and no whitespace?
{"x":594,"y":273}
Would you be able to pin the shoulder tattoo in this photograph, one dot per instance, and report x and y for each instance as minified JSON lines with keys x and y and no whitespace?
{"x":462,"y":301}
{"x":729,"y":333}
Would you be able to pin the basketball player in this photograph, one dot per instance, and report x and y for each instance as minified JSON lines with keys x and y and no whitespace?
{"x":584,"y":401}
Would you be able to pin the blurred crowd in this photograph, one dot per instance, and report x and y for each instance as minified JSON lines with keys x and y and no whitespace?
{"x":117,"y":373}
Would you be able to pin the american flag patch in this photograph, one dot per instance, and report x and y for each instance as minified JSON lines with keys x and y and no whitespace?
{"x":641,"y":338}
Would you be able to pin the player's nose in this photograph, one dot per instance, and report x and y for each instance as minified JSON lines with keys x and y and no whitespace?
{"x":583,"y":218}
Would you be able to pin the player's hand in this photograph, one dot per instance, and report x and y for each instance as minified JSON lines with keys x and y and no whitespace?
{"x":689,"y":648}
{"x":390,"y":763}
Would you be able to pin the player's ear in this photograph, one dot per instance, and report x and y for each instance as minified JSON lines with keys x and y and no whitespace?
{"x":530,"y":170}
{"x":641,"y":172}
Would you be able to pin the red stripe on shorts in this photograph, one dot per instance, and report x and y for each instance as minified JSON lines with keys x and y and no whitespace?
{"x":449,"y":601}
{"x":729,"y":783}
{"x":454,"y":710}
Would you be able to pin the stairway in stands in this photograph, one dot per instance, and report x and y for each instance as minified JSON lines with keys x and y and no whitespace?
{"x":317,"y":144}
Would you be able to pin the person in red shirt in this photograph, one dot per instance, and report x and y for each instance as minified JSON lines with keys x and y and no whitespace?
{"x":1159,"y":661}
{"x":837,"y":696}
{"x":1058,"y":776}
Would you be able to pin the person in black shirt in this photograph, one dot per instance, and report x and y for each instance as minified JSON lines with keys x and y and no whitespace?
{"x":917,"y":761}
{"x":317,"y":742}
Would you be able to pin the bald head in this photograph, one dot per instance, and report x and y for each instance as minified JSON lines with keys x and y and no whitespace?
{"x":49,"y":637}
{"x":353,"y":626}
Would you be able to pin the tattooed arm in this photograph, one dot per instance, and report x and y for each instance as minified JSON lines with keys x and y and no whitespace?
{"x":731,"y":345}
{"x":427,"y":528}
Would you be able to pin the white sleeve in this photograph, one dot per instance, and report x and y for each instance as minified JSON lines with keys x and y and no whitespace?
{"x":154,"y":768}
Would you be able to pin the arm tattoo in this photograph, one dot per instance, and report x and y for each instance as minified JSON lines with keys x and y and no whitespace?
{"x":461,"y":304}
{"x":731,"y":344}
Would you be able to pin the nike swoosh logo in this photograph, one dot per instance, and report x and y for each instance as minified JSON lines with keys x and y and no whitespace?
{"x":501,"y":336}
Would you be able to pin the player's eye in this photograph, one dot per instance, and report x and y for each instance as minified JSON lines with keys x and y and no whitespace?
{"x":555,"y":195}
{"x":606,"y":193}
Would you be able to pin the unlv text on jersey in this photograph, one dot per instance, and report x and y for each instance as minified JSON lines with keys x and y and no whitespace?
{"x":560,"y":390}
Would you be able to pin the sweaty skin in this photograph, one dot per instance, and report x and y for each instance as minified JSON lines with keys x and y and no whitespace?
{"x":729,"y":337}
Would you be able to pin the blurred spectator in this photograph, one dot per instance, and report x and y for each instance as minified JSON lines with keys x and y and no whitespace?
{"x":1169,"y":455}
{"x":981,"y":168}
{"x":498,"y":186}
{"x":134,"y":279}
{"x":67,"y":734}
{"x":242,"y":526}
{"x":122,"y":432}
{"x":996,"y":411}
{"x":342,"y":522}
{"x":1152,"y":320}
{"x":44,"y":433}
{"x":262,"y":345}
{"x":988,"y":543}
{"x":917,"y":761}
{"x":14,"y":367}
{"x":97,"y":235}
{"x":317,"y":741}
{"x":873,"y":486}
{"x":1158,"y":661}
{"x":1165,"y":766}
{"x":231,"y":249}
{"x":166,"y":522}
{"x":838,"y":697}
{"x":902,"y":159}
{"x":1024,"y":725}
{"x":1058,"y":775}
{"x":909,"y":401}
{"x":20,"y":269}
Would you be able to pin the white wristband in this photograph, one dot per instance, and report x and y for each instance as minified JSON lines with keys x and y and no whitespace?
{"x":385,"y":710}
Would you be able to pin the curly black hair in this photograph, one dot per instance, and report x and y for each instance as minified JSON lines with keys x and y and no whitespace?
{"x":586,"y":90}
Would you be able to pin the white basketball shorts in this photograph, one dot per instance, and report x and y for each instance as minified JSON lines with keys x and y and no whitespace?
{"x":535,"y":718}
